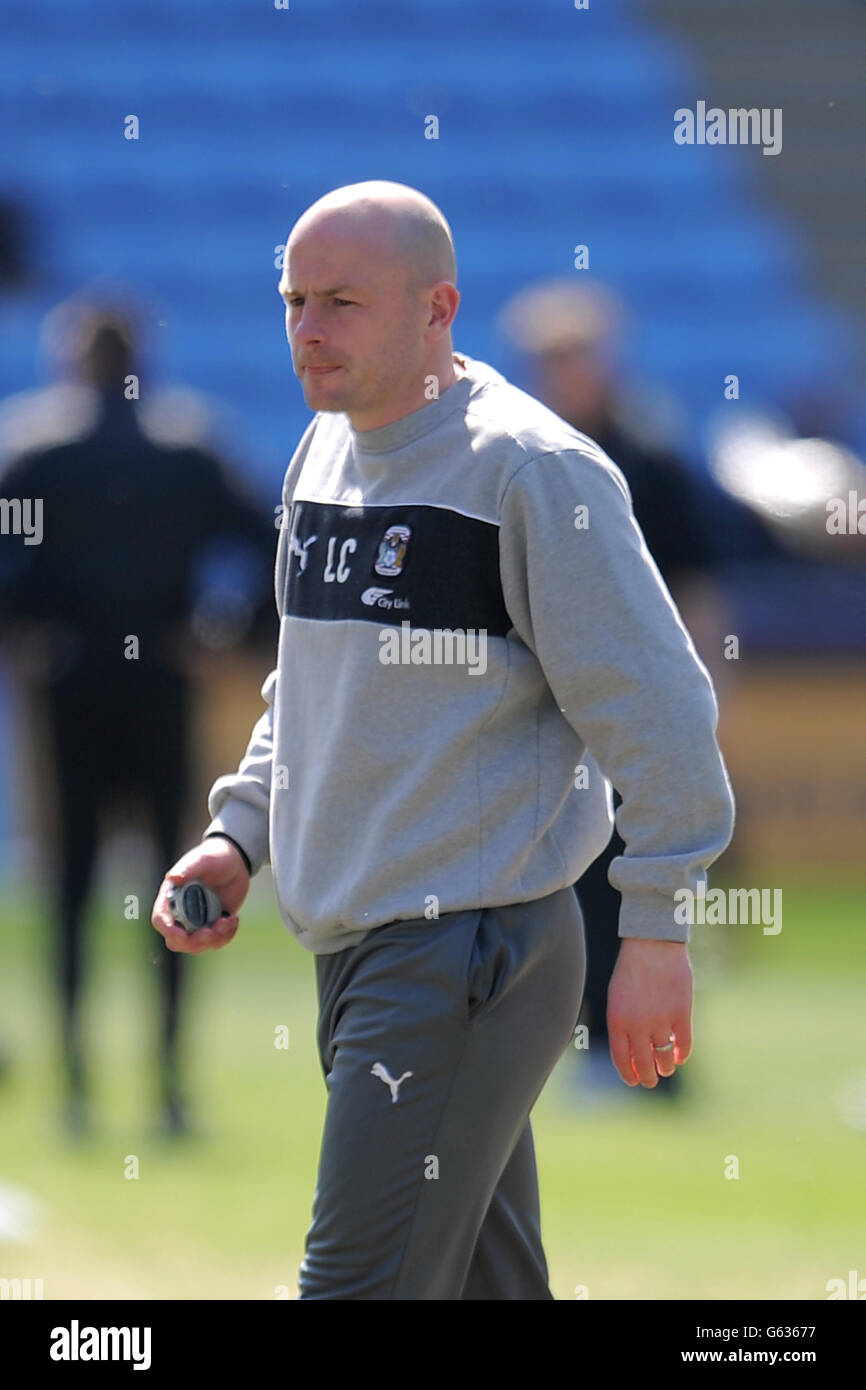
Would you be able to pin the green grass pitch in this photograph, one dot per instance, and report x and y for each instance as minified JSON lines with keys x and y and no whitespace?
{"x":635,"y":1201}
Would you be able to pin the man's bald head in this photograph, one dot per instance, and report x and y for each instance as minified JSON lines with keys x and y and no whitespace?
{"x":369,"y":287}
{"x":390,"y":220}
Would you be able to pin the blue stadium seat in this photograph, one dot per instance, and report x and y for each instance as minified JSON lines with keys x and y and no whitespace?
{"x":557,"y":132}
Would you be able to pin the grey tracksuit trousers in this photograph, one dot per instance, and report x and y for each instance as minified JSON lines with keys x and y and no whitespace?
{"x":436,"y":1038}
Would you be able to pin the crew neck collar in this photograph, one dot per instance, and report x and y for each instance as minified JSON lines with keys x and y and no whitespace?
{"x":417,"y":422}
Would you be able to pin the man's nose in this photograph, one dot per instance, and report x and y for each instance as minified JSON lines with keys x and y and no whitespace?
{"x":308,"y":325}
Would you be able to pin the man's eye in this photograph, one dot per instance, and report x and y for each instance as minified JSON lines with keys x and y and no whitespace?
{"x":297,"y":301}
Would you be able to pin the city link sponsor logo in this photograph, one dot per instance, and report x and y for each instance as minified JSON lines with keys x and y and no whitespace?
{"x":739,"y":906}
{"x":76,"y":1343}
{"x":441,"y":646}
{"x":374,"y":597}
{"x":738,"y":126}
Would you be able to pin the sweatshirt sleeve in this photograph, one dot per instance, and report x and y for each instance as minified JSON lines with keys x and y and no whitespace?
{"x":586,"y":597}
{"x":239,"y":802}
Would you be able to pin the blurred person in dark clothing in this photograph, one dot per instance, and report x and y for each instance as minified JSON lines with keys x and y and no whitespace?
{"x":105,"y":587}
{"x":570,"y":333}
{"x":16,"y":238}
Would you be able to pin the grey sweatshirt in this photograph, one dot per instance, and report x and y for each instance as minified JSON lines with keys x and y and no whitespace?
{"x":475,"y":643}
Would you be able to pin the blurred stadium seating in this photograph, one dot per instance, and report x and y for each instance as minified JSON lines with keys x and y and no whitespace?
{"x":556,"y":130}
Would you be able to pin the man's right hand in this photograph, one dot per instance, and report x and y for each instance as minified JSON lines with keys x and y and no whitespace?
{"x":217,"y":863}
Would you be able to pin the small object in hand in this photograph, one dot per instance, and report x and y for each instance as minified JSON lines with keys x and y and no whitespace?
{"x":194,"y":905}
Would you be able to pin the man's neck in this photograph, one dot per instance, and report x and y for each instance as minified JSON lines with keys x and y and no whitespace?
{"x":445,"y":382}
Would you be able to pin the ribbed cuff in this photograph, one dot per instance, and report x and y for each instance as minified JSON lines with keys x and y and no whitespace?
{"x":244,"y":824}
{"x":209,"y":835}
{"x":650,"y":916}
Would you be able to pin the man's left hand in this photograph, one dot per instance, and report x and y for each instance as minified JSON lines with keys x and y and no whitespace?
{"x":649,"y":1000}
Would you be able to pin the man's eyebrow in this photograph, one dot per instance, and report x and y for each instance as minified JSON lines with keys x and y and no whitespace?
{"x":289,"y":293}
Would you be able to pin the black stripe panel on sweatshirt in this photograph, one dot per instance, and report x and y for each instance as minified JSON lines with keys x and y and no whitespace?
{"x":437,"y":569}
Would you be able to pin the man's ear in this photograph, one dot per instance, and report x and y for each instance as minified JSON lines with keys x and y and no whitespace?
{"x":444,"y":302}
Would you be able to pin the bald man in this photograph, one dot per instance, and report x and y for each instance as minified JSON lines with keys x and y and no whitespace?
{"x":474,"y":644}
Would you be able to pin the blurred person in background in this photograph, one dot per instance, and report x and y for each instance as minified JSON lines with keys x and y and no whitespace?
{"x":570,"y":334}
{"x":100,"y":610}
{"x":17,"y":269}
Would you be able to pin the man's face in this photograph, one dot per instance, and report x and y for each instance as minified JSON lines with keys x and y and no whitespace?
{"x":355,"y":332}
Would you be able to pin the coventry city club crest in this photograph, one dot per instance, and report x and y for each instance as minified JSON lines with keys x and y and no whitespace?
{"x":392,"y":551}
